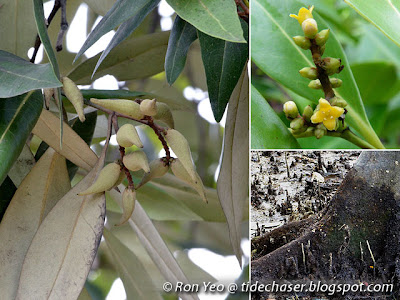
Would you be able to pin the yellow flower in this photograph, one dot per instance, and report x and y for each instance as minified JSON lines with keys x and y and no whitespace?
{"x":327,"y":114}
{"x":304,"y":14}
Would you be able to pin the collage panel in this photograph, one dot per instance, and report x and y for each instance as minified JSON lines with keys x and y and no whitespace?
{"x":325,"y":224}
{"x":325,"y":74}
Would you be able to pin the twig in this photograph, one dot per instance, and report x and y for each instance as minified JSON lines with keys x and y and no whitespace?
{"x":372,"y":255}
{"x":287,"y":166}
{"x":122,"y":153}
{"x":63,"y":25}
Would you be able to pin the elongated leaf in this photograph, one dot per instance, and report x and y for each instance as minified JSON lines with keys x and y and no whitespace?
{"x":274,"y":51}
{"x":18,"y":116}
{"x":154,"y":245}
{"x":232,"y":184}
{"x":65,"y":245}
{"x":384,"y":14}
{"x":17,"y":27}
{"x":44,"y":37}
{"x":19,"y":76}
{"x":223,"y":62}
{"x":39,"y":192}
{"x":182,"y":36}
{"x":127,"y":28}
{"x":121,"y":11}
{"x":100,"y":7}
{"x":216,"y":18}
{"x":129,"y":266}
{"x":129,"y":60}
{"x":7,"y":191}
{"x":74,"y":148}
{"x":376,"y":81}
{"x":267,"y":129}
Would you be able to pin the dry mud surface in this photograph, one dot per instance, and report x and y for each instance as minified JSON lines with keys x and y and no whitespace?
{"x":277,"y":198}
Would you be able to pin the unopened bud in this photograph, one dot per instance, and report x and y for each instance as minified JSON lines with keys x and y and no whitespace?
{"x":123,"y":106}
{"x":136,"y":160}
{"x":128,"y":205}
{"x":180,"y":146}
{"x":128,"y":136}
{"x":180,"y":171}
{"x":322,"y":37}
{"x":74,"y":95}
{"x":148,"y":107}
{"x":307,"y":113}
{"x":310,"y":73}
{"x":157,"y":169}
{"x":297,"y":123}
{"x":332,"y":65}
{"x":335,"y":82}
{"x":315,"y":84}
{"x":290,"y":110}
{"x":164,"y":114}
{"x":310,"y":28}
{"x":106,"y":180}
{"x":319,"y":133}
{"x":302,"y":42}
{"x":337,"y":101}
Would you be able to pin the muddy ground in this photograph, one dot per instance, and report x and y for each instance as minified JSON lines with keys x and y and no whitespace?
{"x":278,"y":197}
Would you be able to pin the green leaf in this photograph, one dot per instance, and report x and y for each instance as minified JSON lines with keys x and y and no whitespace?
{"x":18,"y":116}
{"x":120,"y":12}
{"x":17,"y":27}
{"x":384,"y":14}
{"x":216,"y":18}
{"x":274,"y":51}
{"x":129,"y":60}
{"x":127,"y":28}
{"x":19,"y":76}
{"x":182,"y":36}
{"x":376,"y":81}
{"x":129,"y":266}
{"x":267,"y":129}
{"x":44,"y":37}
{"x":223,"y":62}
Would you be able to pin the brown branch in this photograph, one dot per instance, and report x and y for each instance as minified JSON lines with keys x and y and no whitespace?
{"x":322,"y":75}
{"x":63,"y":25}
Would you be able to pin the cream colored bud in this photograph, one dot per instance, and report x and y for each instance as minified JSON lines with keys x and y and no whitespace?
{"x":315,"y":84}
{"x":180,"y":146}
{"x":310,"y":28}
{"x":302,"y":42}
{"x":335,"y":82}
{"x":74,"y":95}
{"x":164,"y":114}
{"x":290,"y":110}
{"x":128,"y":205}
{"x":310,"y":73}
{"x":126,"y":107}
{"x":180,"y":171}
{"x":136,"y":160}
{"x":148,"y":107}
{"x":128,"y":136}
{"x":157,"y":169}
{"x":106,"y":180}
{"x":322,"y":37}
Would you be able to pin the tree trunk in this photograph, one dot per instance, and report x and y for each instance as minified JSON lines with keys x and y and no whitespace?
{"x":356,"y":239}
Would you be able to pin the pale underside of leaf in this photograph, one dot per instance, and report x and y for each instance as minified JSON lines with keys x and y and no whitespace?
{"x":137,"y":282}
{"x":65,"y":245}
{"x":22,"y":166}
{"x":232,"y":181}
{"x":74,"y":148}
{"x":154,"y":244}
{"x":47,"y":182}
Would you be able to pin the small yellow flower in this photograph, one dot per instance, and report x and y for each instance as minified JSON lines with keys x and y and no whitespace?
{"x":304,"y":14}
{"x":327,"y":114}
